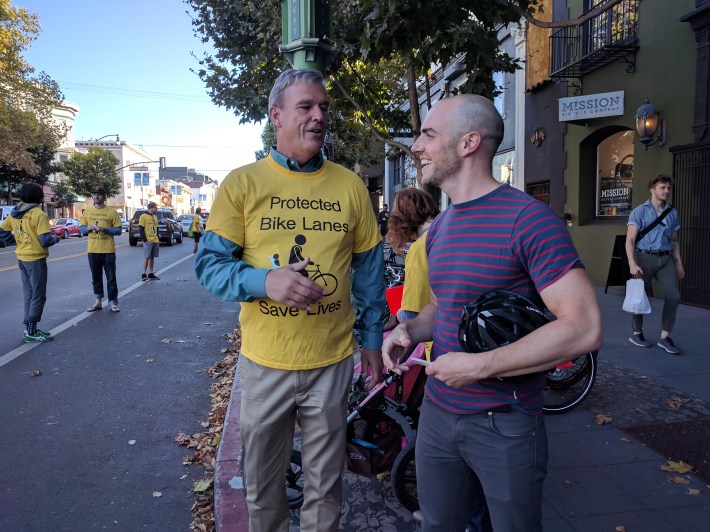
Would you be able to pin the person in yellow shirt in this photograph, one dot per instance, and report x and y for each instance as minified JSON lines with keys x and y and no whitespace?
{"x":197,"y":227}
{"x":101,"y":223}
{"x":148,"y":226}
{"x":31,"y":227}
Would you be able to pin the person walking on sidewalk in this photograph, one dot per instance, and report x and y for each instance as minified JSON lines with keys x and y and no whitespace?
{"x":196,"y":228}
{"x":481,"y":441}
{"x":382,"y":220}
{"x":102,"y":223}
{"x":653,"y":253}
{"x":296,"y":358}
{"x":32,"y":234}
{"x":148,"y":226}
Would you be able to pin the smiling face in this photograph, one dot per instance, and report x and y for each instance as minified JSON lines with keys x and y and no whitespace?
{"x":437,"y":147}
{"x":301,"y":121}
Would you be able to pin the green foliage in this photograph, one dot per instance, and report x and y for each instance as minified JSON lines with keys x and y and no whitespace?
{"x":26,"y":98}
{"x":268,"y":139}
{"x":95,"y":167}
{"x":64,"y":196}
{"x":379,"y":43}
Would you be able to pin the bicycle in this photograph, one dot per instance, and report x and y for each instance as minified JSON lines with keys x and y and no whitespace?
{"x":327,"y":280}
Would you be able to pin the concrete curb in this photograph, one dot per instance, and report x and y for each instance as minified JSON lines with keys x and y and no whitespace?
{"x":230,"y":508}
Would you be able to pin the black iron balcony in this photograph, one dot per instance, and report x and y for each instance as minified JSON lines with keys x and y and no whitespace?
{"x":611,"y":35}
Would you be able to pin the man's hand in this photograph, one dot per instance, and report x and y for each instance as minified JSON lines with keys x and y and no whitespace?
{"x":393,"y":347}
{"x":636,"y":271}
{"x":458,"y":369}
{"x":288,"y":287}
{"x":371,"y":364}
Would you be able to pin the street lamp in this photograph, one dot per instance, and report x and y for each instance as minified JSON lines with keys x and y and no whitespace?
{"x":105,"y":136}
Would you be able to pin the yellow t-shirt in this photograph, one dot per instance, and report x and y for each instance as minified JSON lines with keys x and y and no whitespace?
{"x":27,"y":230}
{"x":417,"y":293}
{"x":197,"y":224}
{"x":149,"y":222}
{"x":106,"y":217}
{"x":278,"y":216}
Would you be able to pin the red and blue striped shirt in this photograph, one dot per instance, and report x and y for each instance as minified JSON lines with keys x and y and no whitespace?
{"x":505,"y":240}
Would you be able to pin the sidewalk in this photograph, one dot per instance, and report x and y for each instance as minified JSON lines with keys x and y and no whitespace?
{"x":600,"y":477}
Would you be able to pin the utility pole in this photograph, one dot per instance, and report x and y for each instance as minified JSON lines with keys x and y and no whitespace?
{"x":306,"y":28}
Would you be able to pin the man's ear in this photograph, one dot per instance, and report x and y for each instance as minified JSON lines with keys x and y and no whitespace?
{"x":274,"y":116}
{"x":471,"y":142}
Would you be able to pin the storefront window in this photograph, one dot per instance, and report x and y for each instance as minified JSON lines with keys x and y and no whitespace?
{"x":503,"y":167}
{"x":615,"y":172}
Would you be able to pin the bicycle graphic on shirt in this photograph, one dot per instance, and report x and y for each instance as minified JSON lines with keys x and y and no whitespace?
{"x":326,"y":280}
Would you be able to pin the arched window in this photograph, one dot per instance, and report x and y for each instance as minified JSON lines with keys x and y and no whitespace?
{"x":615,"y":171}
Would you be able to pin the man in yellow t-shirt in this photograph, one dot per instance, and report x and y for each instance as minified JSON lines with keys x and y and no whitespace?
{"x":291,"y":237}
{"x":101,"y":223}
{"x":148,"y":226}
{"x":196,"y":228}
{"x":31,"y":227}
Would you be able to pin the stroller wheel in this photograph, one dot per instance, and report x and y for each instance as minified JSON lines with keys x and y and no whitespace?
{"x":404,"y":479}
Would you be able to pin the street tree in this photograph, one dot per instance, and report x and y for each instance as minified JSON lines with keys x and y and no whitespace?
{"x":385,"y":53}
{"x":64,"y":196}
{"x":27,"y":99}
{"x":95,"y":167}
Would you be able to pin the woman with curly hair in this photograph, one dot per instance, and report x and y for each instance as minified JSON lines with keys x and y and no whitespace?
{"x":413,"y":211}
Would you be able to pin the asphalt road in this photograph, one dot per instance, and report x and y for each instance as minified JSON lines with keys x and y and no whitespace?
{"x":88,"y":443}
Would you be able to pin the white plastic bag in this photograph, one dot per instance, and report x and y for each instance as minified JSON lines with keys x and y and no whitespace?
{"x":636,"y":301}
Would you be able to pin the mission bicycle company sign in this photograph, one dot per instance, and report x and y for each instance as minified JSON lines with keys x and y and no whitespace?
{"x":591,"y":106}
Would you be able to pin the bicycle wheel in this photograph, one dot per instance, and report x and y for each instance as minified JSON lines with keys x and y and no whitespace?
{"x":404,"y":479}
{"x":568,"y":385}
{"x":294,"y":479}
{"x":328,"y":282}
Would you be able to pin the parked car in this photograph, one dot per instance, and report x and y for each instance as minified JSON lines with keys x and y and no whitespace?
{"x":65,"y":227}
{"x":169,"y":228}
{"x":126,"y":226}
{"x":185,"y":221}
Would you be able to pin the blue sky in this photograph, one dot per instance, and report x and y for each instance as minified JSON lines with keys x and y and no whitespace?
{"x":127,"y":66}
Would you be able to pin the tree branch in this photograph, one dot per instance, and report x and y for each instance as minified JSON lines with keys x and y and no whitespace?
{"x":513,"y":6}
{"x":366,"y":119}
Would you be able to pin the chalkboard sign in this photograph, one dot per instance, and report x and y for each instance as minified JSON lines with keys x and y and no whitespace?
{"x":619,"y":270}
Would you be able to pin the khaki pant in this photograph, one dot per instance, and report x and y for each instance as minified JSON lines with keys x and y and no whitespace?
{"x":271,"y":401}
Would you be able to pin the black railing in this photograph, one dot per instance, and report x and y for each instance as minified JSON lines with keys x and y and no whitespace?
{"x":611,"y":35}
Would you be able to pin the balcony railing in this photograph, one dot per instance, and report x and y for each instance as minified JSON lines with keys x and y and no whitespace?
{"x":611,"y":35}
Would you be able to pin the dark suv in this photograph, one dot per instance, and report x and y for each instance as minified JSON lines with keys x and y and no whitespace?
{"x":169,"y":228}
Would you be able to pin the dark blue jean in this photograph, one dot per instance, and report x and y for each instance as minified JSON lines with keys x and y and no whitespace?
{"x":100,"y":263}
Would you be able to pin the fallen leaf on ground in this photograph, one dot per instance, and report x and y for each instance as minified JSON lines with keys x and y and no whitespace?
{"x":184,"y":476}
{"x":36,"y":373}
{"x":678,"y":480}
{"x":166,"y":341}
{"x":202,"y":485}
{"x":620,"y":528}
{"x":692,"y":491}
{"x":602,"y":419}
{"x":624,"y":439}
{"x":131,"y":442}
{"x":149,"y":360}
{"x":676,"y":402}
{"x":179,"y":341}
{"x":677,"y":467}
{"x":157,"y":494}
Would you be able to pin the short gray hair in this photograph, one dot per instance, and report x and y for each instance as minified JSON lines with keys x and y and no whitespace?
{"x":288,"y":78}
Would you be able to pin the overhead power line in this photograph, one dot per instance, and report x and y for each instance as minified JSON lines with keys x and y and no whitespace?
{"x":135,"y":93}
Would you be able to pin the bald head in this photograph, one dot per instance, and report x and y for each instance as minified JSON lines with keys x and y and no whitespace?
{"x":471,"y":112}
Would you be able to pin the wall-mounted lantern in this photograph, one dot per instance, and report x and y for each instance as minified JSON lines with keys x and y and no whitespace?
{"x":648,"y":123}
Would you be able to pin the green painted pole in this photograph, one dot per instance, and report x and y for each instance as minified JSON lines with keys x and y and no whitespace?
{"x":306,"y":26}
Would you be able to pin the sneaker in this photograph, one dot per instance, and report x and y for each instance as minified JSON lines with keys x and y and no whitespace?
{"x":29,"y":338}
{"x":144,"y":277}
{"x":45,"y":333}
{"x":153,"y":277}
{"x":639,"y":340}
{"x":667,"y":344}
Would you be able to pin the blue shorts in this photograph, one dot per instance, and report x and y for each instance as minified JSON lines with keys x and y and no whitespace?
{"x":151,"y":250}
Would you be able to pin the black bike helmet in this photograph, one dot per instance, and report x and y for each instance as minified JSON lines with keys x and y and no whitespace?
{"x":498,"y":318}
